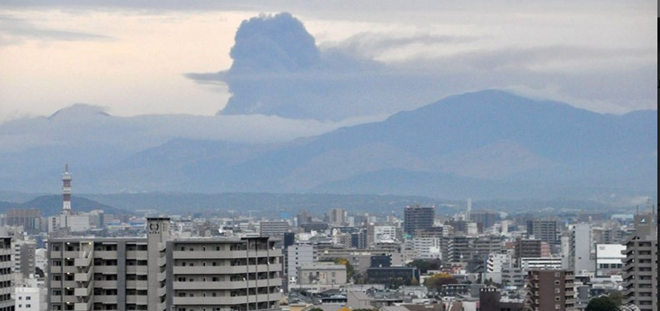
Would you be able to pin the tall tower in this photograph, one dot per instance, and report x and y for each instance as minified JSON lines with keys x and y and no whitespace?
{"x":66,"y":191}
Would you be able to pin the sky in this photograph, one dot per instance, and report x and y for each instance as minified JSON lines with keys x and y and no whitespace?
{"x":172,"y":57}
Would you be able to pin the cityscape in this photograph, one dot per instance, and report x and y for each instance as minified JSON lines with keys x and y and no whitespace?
{"x":329,"y":155}
{"x":414,"y":259}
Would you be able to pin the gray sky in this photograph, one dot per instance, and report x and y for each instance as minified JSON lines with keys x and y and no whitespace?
{"x":133,"y":56}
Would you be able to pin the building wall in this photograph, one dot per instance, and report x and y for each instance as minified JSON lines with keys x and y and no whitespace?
{"x":6,"y":289}
{"x":27,"y":299}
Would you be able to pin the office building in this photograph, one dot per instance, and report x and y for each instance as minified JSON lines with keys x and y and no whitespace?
{"x":275,"y":229}
{"x":640,"y":266}
{"x":417,"y":218}
{"x":609,"y":259}
{"x":322,"y":273}
{"x":549,"y":290}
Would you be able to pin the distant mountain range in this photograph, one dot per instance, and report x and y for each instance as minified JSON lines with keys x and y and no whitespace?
{"x":488,"y":144}
{"x":52,"y":205}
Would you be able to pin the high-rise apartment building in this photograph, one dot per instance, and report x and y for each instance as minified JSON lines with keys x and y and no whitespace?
{"x":223,"y":274}
{"x":581,"y":257}
{"x":640,"y":279}
{"x":417,"y":218}
{"x":550,"y":290}
{"x":337,"y":217}
{"x":158,"y":273}
{"x":544,"y":229}
{"x":6,"y":288}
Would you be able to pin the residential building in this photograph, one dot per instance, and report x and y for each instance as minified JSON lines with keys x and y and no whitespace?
{"x":581,"y":246}
{"x":544,"y":229}
{"x":158,"y":273}
{"x":6,"y":288}
{"x":640,"y":266}
{"x":417,"y":218}
{"x":223,"y":274}
{"x":549,"y":290}
{"x":296,"y":256}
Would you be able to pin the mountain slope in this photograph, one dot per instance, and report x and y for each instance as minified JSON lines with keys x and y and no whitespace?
{"x":488,"y":135}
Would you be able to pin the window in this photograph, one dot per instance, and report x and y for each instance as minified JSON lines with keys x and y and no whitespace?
{"x":557,"y":298}
{"x":28,"y":306}
{"x":28,"y":298}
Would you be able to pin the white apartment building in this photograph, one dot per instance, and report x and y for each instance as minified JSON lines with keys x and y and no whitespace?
{"x":426,"y":248}
{"x":384,"y":234}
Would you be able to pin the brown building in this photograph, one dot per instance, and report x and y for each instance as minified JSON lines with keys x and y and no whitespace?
{"x":526,"y":248}
{"x":490,"y":299}
{"x":550,"y":290}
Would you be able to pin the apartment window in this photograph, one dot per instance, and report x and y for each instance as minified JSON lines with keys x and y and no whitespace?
{"x":28,"y":298}
{"x":557,"y":290}
{"x":28,"y":306}
{"x":556,"y":283}
{"x":557,"y":298}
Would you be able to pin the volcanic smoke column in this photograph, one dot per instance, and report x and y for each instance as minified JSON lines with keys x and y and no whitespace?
{"x":66,"y":191}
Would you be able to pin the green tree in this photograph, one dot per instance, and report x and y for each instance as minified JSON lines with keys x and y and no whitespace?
{"x":437,"y":280}
{"x":603,"y":303}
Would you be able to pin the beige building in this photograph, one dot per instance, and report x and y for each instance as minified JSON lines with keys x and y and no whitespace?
{"x":322,"y":273}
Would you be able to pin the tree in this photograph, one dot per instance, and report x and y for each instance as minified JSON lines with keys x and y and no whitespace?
{"x":602,"y":303}
{"x":437,"y":280}
{"x":350,"y":270}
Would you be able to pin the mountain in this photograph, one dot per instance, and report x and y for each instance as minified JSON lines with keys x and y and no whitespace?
{"x":487,"y":144}
{"x":482,"y":143}
{"x":52,"y":205}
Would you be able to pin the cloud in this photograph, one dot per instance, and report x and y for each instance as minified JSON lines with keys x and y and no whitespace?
{"x":15,"y":30}
{"x":279,"y":70}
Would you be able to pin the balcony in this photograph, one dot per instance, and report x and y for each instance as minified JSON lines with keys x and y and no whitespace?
{"x":236,"y":300}
{"x":105,"y":284}
{"x":82,"y":277}
{"x":137,"y":299}
{"x":223,"y":285}
{"x":82,"y":292}
{"x":136,"y":284}
{"x":81,"y":306}
{"x":106,"y":255}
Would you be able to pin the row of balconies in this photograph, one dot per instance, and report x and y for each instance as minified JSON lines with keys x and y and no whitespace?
{"x":226,"y":254}
{"x":221,"y":285}
{"x":237,"y":300}
{"x":206,"y":270}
